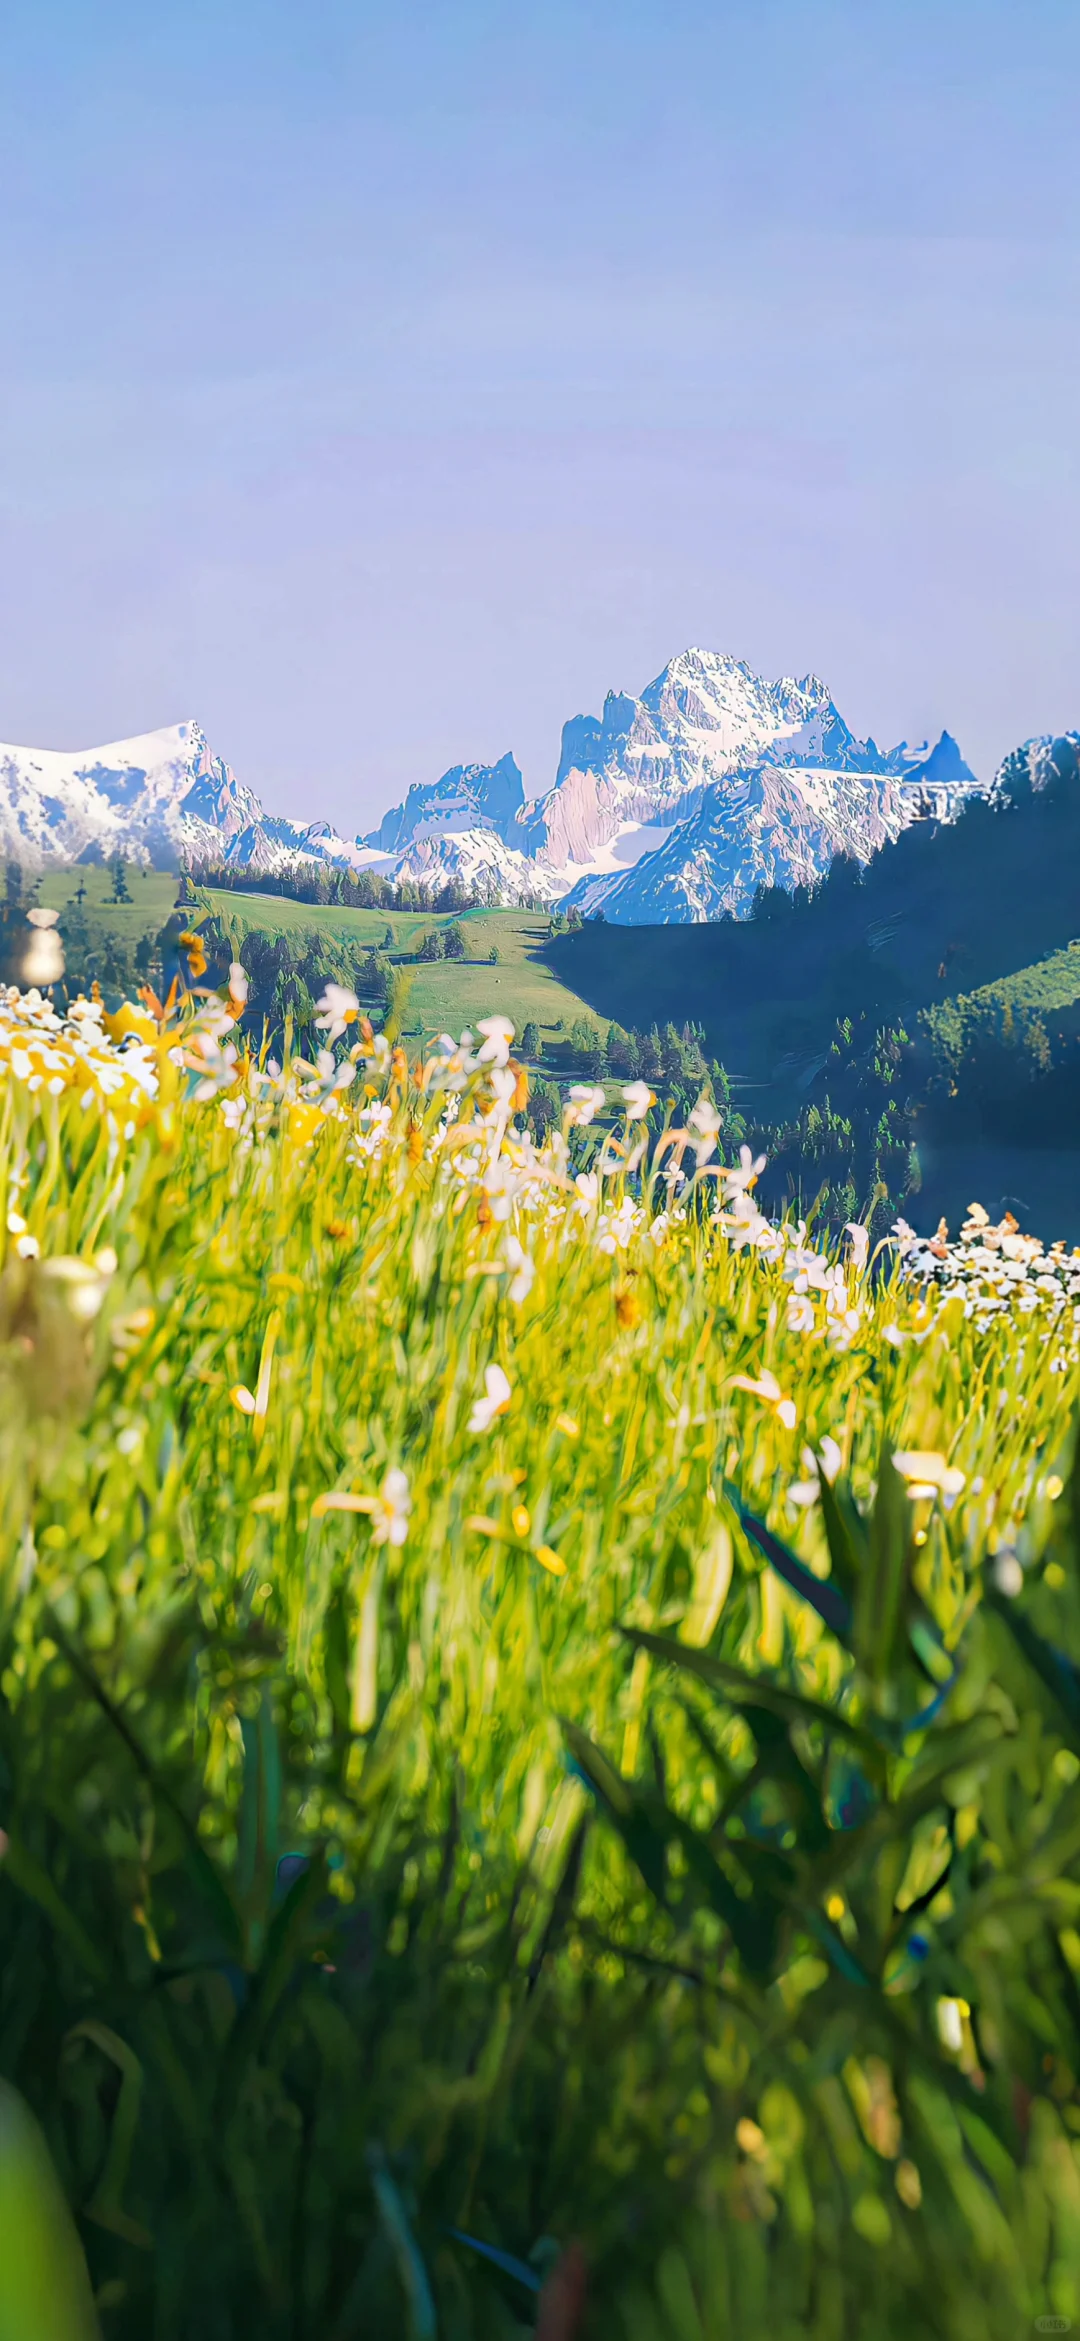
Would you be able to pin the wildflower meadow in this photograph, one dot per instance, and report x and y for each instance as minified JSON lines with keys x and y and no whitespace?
{"x":539,"y":1716}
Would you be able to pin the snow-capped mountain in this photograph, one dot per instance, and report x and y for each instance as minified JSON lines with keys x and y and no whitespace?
{"x":151,"y":798}
{"x":647,"y":761}
{"x":630,"y":782}
{"x":468,"y":797}
{"x":161,"y":799}
{"x":772,"y":825}
{"x":1052,"y":756}
{"x":673,"y":806}
{"x":487,"y":869}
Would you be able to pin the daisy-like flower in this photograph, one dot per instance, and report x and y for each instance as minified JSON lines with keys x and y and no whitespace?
{"x":860,"y":1244}
{"x":800,"y":1313}
{"x":586,"y":1100}
{"x":217,"y":1066}
{"x":498,"y":1033}
{"x":84,"y":1283}
{"x":521,"y":1268}
{"x":390,"y":1519}
{"x":638,"y":1099}
{"x":1008,"y":1574}
{"x":330,"y":1077}
{"x":750,"y":1166}
{"x":707,"y":1123}
{"x":928,"y":1474}
{"x":768,"y":1388}
{"x":495,"y":1401}
{"x":338,"y":1008}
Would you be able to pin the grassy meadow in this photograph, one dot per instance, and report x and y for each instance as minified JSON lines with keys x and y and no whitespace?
{"x":539,"y":1720}
{"x":443,"y":994}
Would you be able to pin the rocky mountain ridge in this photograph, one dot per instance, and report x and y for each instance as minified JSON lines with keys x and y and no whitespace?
{"x":674,"y":806}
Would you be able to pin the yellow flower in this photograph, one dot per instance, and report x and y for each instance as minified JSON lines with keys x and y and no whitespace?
{"x":550,"y":1561}
{"x":128,"y":1020}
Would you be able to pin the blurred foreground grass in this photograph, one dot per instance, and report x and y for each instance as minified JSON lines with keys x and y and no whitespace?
{"x":533,"y":1710}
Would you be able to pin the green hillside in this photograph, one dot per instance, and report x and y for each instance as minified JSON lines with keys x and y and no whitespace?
{"x":943,"y":911}
{"x":443,"y":993}
{"x":153,"y":893}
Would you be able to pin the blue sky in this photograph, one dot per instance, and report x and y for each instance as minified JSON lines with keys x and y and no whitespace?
{"x":382,"y":383}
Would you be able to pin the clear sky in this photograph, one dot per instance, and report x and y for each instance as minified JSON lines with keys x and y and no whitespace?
{"x":383,"y":380}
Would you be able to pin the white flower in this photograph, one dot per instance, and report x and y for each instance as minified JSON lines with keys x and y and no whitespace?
{"x":638,"y":1098}
{"x":217,"y":1065}
{"x":750,"y":1168}
{"x":390,"y":1517}
{"x":330,"y":1077}
{"x":28,"y":1247}
{"x":1008,"y":1574}
{"x":800,"y":1313}
{"x":928,"y":1474}
{"x":706,"y":1121}
{"x":615,"y":1228}
{"x":338,"y":1007}
{"x":496,"y":1399}
{"x":830,"y":1456}
{"x":238,"y":985}
{"x":522,"y":1269}
{"x":498,"y":1033}
{"x":586,"y":1100}
{"x":84,"y":1285}
{"x":951,"y":2015}
{"x":860,"y":1243}
{"x":768,"y":1388}
{"x":588,"y":1188}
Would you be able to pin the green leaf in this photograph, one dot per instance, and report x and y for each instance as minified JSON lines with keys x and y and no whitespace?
{"x":750,"y":1690}
{"x":1055,"y":1670}
{"x":845,"y":1535}
{"x":879,"y":1608}
{"x":643,"y":1841}
{"x":832,"y":1606}
{"x":422,"y":2325}
{"x":106,"y":2203}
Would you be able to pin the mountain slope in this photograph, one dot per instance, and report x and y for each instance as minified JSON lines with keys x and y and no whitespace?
{"x":671,"y":807}
{"x":772,"y":825}
{"x":151,"y":798}
{"x":648,"y":760}
{"x":468,"y":797}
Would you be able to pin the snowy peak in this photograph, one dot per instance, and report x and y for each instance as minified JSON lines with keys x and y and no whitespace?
{"x":1038,"y":764}
{"x":149,"y":798}
{"x":676,"y":804}
{"x":469,"y":796}
{"x":769,"y":825}
{"x":647,"y":761}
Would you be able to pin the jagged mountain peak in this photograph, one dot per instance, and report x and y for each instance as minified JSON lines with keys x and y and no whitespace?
{"x":675,"y":804}
{"x":468,"y":796}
